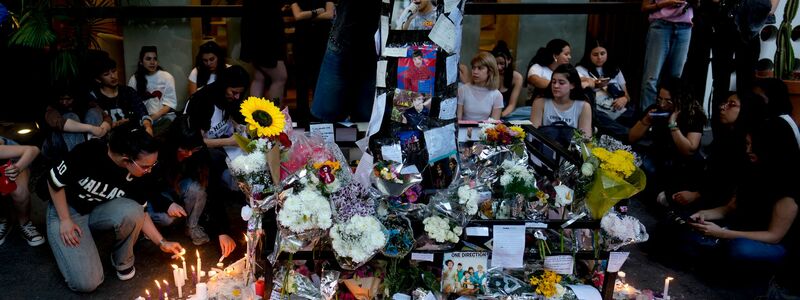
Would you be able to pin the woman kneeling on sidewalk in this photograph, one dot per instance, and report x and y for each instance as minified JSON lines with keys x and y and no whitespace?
{"x":103,"y":186}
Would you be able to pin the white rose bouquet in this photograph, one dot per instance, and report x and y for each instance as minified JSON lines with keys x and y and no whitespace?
{"x":468,"y":197}
{"x":441,"y":230}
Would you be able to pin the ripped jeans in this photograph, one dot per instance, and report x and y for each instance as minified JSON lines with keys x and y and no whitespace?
{"x":194,"y":201}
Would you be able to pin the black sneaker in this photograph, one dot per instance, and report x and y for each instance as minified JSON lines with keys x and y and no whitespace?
{"x":4,"y":230}
{"x":30,"y":234}
{"x":127,"y":273}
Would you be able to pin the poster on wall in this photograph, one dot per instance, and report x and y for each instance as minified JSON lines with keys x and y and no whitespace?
{"x":414,"y":14}
{"x":417,"y":71}
{"x":464,"y":273}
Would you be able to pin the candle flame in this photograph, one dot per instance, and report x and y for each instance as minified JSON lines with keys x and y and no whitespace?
{"x":670,"y":278}
{"x":158,"y":284}
{"x":197,"y":252}
{"x":192,"y":268}
{"x":245,"y":238}
{"x":183,"y":251}
{"x":146,"y":291}
{"x":621,"y":274}
{"x":165,"y":282}
{"x":174,"y":266}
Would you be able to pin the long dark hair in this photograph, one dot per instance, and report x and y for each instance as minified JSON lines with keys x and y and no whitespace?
{"x":203,"y":74}
{"x":683,"y":100}
{"x":544,"y":56}
{"x":501,"y":50}
{"x":182,"y":135}
{"x":576,"y":93}
{"x":141,"y":80}
{"x":610,"y":67}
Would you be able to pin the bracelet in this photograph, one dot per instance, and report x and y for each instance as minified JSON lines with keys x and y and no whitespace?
{"x":162,"y":242}
{"x":672,"y":126}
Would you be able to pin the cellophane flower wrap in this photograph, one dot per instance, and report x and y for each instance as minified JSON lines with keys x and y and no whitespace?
{"x":459,"y":202}
{"x":267,"y":126}
{"x":441,"y":232}
{"x":498,"y":143}
{"x":304,"y":215}
{"x":357,"y":235}
{"x":609,"y":174}
{"x":399,"y":236}
{"x":325,"y":165}
{"x":356,"y":241}
{"x":389,"y":178}
{"x":619,"y":231}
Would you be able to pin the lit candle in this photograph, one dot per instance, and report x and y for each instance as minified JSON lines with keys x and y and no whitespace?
{"x":166,"y":297}
{"x":183,"y":270}
{"x":139,"y":298}
{"x":158,"y":285}
{"x":199,"y":266}
{"x":194,"y":276}
{"x":666,"y":288}
{"x":212,"y":273}
{"x":166,"y":286}
{"x":178,"y":276}
{"x":147,"y":292}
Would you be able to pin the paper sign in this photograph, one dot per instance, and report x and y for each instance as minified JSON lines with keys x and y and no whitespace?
{"x":392,"y":153}
{"x":535,"y":225}
{"x":447,"y":109}
{"x":377,"y":114}
{"x":450,"y":5}
{"x":452,"y":68}
{"x":585,"y":292}
{"x":380,"y":74}
{"x":444,"y":34}
{"x":440,"y":142}
{"x":421,"y":256}
{"x":325,"y":130}
{"x":384,"y":32}
{"x":430,"y":296}
{"x":561,"y":264}
{"x":233,"y":151}
{"x":395,"y":52}
{"x":509,"y":246}
{"x":410,"y":169}
{"x":615,"y":260}
{"x":363,"y":172}
{"x":477,"y":231}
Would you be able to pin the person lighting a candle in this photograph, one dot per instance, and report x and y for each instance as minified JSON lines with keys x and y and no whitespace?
{"x":103,"y":186}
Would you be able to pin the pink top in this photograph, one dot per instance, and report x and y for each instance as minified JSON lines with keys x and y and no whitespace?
{"x":673,"y":14}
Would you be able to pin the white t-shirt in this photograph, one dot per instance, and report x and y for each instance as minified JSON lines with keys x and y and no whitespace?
{"x":541,"y":71}
{"x":619,"y":79}
{"x":211,"y":78}
{"x":478,"y":102}
{"x":221,"y":127}
{"x":162,"y":83}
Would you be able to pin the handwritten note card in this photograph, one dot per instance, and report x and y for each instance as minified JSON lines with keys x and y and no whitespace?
{"x":509,"y":246}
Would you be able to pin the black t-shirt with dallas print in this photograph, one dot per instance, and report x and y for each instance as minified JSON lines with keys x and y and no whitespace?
{"x":91,"y":178}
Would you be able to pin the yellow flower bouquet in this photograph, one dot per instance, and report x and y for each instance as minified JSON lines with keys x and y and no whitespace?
{"x":611,"y":174}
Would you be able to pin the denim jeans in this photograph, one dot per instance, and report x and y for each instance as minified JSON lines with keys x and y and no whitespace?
{"x":61,"y":142}
{"x":82,"y":266}
{"x":346,"y":85}
{"x":194,"y":201}
{"x":94,"y":116}
{"x":746,"y":250}
{"x":666,"y":51}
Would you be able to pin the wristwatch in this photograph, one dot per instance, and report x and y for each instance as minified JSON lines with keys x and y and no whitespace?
{"x":672,"y":126}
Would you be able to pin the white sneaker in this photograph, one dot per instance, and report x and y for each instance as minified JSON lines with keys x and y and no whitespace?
{"x":4,"y":230}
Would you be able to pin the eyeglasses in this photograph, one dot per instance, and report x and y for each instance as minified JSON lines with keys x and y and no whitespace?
{"x":664,"y":100}
{"x":729,"y":105}
{"x":144,"y":168}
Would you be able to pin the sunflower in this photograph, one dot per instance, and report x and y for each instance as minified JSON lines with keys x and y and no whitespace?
{"x":262,"y":116}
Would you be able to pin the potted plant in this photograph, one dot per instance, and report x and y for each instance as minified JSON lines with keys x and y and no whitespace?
{"x":785,"y":62}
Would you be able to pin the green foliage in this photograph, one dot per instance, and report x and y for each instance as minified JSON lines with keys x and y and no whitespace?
{"x":784,"y":55}
{"x":34,"y":31}
{"x":404,"y":279}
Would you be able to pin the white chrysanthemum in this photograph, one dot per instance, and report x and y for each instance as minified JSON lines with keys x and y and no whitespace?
{"x":255,"y":162}
{"x":587,"y":169}
{"x":306,"y":210}
{"x":358,"y":238}
{"x":625,"y":228}
{"x":439,"y":230}
{"x":469,"y":198}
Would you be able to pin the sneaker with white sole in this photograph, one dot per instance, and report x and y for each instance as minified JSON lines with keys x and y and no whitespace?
{"x":31,"y":235}
{"x":198,"y":235}
{"x":4,"y":230}
{"x":127,"y":273}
